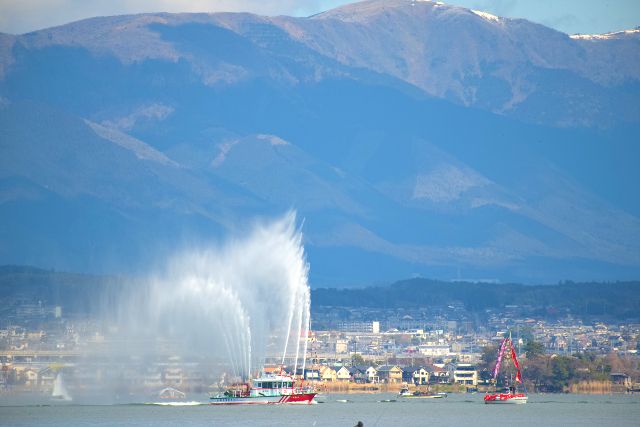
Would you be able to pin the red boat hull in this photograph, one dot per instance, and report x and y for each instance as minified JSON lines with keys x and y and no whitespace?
{"x":305,"y":398}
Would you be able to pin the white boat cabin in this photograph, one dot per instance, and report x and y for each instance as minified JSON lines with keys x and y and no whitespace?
{"x":276,"y":385}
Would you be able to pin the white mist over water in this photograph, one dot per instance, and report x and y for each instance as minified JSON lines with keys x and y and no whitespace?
{"x":59,"y":388}
{"x":243,"y":301}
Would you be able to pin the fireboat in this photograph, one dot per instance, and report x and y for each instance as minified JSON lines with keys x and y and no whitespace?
{"x":266,"y":390}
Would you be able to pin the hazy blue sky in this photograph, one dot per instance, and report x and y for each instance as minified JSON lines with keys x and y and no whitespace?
{"x":571,"y":16}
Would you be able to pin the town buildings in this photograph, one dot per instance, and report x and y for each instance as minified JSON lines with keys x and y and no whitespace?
{"x":424,"y":347}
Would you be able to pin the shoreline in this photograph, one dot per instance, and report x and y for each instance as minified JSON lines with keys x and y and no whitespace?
{"x":587,"y":388}
{"x":337,"y":387}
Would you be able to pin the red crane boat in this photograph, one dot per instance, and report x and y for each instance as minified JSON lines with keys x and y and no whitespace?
{"x":509,"y":394}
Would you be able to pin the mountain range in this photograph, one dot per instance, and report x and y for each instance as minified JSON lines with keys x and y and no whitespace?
{"x":414,"y":138}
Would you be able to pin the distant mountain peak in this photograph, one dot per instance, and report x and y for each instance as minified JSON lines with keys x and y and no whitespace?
{"x":128,"y":137}
{"x":469,"y":57}
{"x":361,"y":11}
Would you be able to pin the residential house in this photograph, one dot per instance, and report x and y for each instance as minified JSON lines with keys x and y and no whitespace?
{"x":440,"y":375}
{"x":312,"y":374}
{"x":327,"y":373}
{"x":417,"y":375}
{"x":359,"y":374}
{"x":465,"y":374}
{"x":343,"y":374}
{"x":390,"y":373}
{"x":372,"y":375}
{"x":621,"y":378}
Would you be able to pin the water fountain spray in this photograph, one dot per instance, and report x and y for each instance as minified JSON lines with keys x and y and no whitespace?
{"x":237,"y":300}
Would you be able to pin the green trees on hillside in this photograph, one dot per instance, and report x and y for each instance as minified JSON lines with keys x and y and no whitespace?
{"x":556,"y":373}
{"x":533,"y":349}
{"x":619,"y":300}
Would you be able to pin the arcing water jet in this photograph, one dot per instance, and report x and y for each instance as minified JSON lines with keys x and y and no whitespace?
{"x":238,"y":300}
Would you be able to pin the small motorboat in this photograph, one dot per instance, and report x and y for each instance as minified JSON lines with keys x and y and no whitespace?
{"x":418,"y":394}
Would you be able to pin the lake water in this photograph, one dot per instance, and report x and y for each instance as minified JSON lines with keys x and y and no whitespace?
{"x":345,"y":410}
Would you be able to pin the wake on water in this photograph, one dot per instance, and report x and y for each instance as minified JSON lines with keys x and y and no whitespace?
{"x":192,"y":403}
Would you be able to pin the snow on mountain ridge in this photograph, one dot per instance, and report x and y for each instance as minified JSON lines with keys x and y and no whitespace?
{"x":487,"y":16}
{"x":606,"y":36}
{"x":468,"y":57}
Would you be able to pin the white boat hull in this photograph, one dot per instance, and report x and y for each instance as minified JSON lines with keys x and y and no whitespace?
{"x":425,"y":397}
{"x":300,"y":399}
{"x":505,"y":399}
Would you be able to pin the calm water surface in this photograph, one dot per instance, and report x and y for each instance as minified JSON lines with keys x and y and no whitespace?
{"x":345,"y":410}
